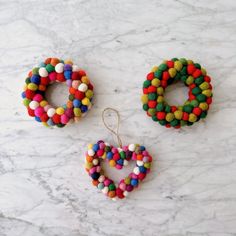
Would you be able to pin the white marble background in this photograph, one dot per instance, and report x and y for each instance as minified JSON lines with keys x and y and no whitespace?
{"x":44,"y":190}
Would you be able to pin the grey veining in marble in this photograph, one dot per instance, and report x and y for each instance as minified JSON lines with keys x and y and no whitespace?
{"x":44,"y":190}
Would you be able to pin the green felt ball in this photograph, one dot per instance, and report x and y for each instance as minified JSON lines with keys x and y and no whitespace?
{"x":145,"y":107}
{"x":183,"y":123}
{"x":184,"y":71}
{"x":184,"y":78}
{"x":122,"y":155}
{"x":187,"y":108}
{"x":152,"y":96}
{"x":183,"y":61}
{"x":177,"y":77}
{"x":35,"y":71}
{"x":111,"y":187}
{"x":154,"y":118}
{"x":158,"y":74}
{"x":198,"y":66}
{"x":71,"y":97}
{"x":194,"y":103}
{"x":27,"y":80}
{"x":160,"y":107}
{"x":174,"y":59}
{"x":162,"y":67}
{"x":107,"y":149}
{"x":146,"y":83}
{"x":167,"y":109}
{"x":196,"y":91}
{"x":199,"y":80}
{"x":26,"y":102}
{"x":162,"y":122}
{"x":174,"y":122}
{"x":201,"y":97}
{"x":50,"y":68}
{"x":203,"y":114}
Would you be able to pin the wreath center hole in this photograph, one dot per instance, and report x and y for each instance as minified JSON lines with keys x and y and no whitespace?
{"x":176,"y":94}
{"x":57,"y":94}
{"x":115,"y":174}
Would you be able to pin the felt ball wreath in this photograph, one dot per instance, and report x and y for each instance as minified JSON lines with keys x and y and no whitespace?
{"x":56,"y":70}
{"x":199,"y":96}
{"x":118,"y":158}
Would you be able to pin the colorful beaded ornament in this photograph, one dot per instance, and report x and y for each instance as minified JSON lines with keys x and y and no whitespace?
{"x":198,"y":102}
{"x":48,"y":72}
{"x":118,"y":158}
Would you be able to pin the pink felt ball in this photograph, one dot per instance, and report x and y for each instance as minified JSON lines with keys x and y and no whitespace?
{"x":134,"y":156}
{"x":64,"y":119}
{"x":39,"y":111}
{"x":116,"y":156}
{"x":101,"y":145}
{"x":47,"y":107}
{"x":38,"y":98}
{"x":98,"y":168}
{"x":145,"y":153}
{"x":118,"y":166}
{"x":107,"y":182}
{"x":122,"y":186}
{"x":52,"y":76}
{"x":92,"y":170}
{"x":100,"y":152}
{"x":133,"y":176}
{"x":129,"y":188}
{"x":75,"y":84}
{"x":114,"y":150}
{"x":69,"y":112}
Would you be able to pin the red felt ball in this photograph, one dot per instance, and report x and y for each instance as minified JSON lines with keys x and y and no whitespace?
{"x":141,"y":175}
{"x":82,"y":73}
{"x":191,"y":97}
{"x":44,"y":81}
{"x":60,"y":77}
{"x":173,"y":109}
{"x":165,"y":75}
{"x":161,"y":115}
{"x":145,"y":90}
{"x":29,"y":94}
{"x":152,"y":104}
{"x":192,"y":86}
{"x":197,"y":111}
{"x":191,"y":68}
{"x":207,"y":78}
{"x":79,"y":95}
{"x":44,"y":117}
{"x":197,"y":73}
{"x":185,"y":116}
{"x":90,"y":86}
{"x":150,"y":76}
{"x":209,"y":100}
{"x":168,"y":125}
{"x":152,"y":89}
{"x":75,"y":76}
{"x":119,"y":193}
{"x":170,"y":64}
{"x":164,"y":83}
{"x":116,"y":157}
{"x":56,"y":118}
{"x":30,"y":112}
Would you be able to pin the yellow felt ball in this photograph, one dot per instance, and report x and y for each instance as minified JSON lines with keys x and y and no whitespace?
{"x":207,"y":92}
{"x":45,"y":124}
{"x":112,"y":163}
{"x":104,"y":155}
{"x":178,"y":65}
{"x":60,"y":110}
{"x":190,"y":62}
{"x":90,"y":146}
{"x":89,"y":93}
{"x":160,"y":90}
{"x":170,"y":117}
{"x":189,"y":80}
{"x":68,"y":62}
{"x":160,"y":99}
{"x":85,"y":79}
{"x":178,"y":114}
{"x":25,"y":87}
{"x":86,"y":101}
{"x":203,"y":106}
{"x":154,"y":69}
{"x":32,"y":86}
{"x":203,"y":70}
{"x":156,"y":82}
{"x":192,"y":117}
{"x":180,"y":108}
{"x":172,"y":72}
{"x":204,"y":86}
{"x":88,"y":165}
{"x":43,"y":103}
{"x":144,"y":98}
{"x":77,"y":111}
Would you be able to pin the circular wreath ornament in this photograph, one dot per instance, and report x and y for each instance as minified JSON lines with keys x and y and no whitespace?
{"x":199,"y":97}
{"x":56,"y":70}
{"x":117,"y":157}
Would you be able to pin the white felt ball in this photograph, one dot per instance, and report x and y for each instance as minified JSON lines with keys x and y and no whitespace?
{"x":59,"y":68}
{"x":119,"y":149}
{"x":51,"y":112}
{"x":43,"y":72}
{"x":75,"y":68}
{"x":101,"y":178}
{"x":140,"y":163}
{"x":95,"y":162}
{"x":91,"y":152}
{"x":107,"y":144}
{"x":125,"y":193}
{"x":136,"y":170}
{"x":83,"y":87}
{"x":33,"y":105}
{"x":125,"y":163}
{"x":105,"y":190}
{"x":131,"y":147}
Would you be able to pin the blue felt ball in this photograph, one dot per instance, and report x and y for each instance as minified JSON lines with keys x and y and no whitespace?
{"x":95,"y":175}
{"x":37,"y":119}
{"x":142,"y":169}
{"x":23,"y":95}
{"x":35,"y":79}
{"x":77,"y":103}
{"x":84,"y":108}
{"x":120,"y":162}
{"x":109,"y":155}
{"x":142,"y":148}
{"x":67,"y":74}
{"x":134,"y":182}
{"x":95,"y":147}
{"x":50,"y":122}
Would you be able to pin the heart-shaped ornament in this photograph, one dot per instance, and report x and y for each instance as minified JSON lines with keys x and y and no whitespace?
{"x":118,"y":158}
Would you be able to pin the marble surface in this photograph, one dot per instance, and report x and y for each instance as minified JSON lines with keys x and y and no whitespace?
{"x":44,"y":190}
